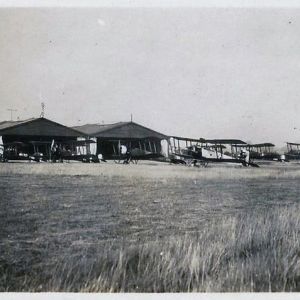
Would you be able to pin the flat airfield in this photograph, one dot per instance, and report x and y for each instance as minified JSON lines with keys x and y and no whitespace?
{"x":62,"y":219}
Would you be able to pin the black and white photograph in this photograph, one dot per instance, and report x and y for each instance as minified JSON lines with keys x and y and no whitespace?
{"x":149,"y":147}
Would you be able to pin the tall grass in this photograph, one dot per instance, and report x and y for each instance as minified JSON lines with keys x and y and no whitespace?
{"x":183,"y":229}
{"x":249,"y":252}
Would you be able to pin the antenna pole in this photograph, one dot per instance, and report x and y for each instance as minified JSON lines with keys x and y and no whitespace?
{"x":42,"y":115}
{"x":11,"y":112}
{"x":131,"y":118}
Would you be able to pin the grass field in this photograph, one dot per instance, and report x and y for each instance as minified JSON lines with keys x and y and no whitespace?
{"x":149,"y":228}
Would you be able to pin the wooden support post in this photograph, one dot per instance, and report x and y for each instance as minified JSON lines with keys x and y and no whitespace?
{"x":88,"y":149}
{"x":150,"y":146}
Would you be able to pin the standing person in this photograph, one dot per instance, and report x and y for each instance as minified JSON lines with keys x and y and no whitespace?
{"x":57,"y":153}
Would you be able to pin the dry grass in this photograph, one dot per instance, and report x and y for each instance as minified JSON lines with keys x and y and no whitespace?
{"x":259,"y":252}
{"x":155,"y":170}
{"x":108,"y":233}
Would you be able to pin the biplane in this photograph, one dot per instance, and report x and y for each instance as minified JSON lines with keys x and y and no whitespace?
{"x":202,"y":151}
{"x":14,"y":151}
{"x":186,"y":151}
{"x":54,"y":151}
{"x":22,"y":151}
{"x":263,"y":151}
{"x":73,"y":150}
{"x":126,"y":152}
{"x":293,"y":151}
{"x":41,"y":151}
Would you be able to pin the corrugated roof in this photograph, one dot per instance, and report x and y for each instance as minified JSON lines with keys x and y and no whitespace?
{"x":120,"y":130}
{"x":93,"y":129}
{"x":37,"y":127}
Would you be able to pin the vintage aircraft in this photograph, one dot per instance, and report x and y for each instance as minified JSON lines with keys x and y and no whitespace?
{"x":78,"y":150}
{"x":293,"y":152}
{"x":54,"y":151}
{"x":202,"y":151}
{"x":185,"y":151}
{"x":41,"y":151}
{"x":126,"y":154}
{"x":263,"y":151}
{"x":14,"y":151}
{"x":25,"y":151}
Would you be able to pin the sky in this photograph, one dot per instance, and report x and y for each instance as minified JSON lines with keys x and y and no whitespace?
{"x":185,"y":71}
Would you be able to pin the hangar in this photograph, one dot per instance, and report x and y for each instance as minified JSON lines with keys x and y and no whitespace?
{"x":113,"y":138}
{"x":26,"y":138}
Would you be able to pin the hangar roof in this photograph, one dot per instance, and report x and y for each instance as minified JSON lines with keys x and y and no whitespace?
{"x":120,"y":130}
{"x":37,"y":127}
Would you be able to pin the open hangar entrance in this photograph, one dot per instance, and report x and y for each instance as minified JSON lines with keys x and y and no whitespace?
{"x":35,"y":137}
{"x":124,"y":138}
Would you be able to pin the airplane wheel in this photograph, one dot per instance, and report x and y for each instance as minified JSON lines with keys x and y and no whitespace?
{"x":204,"y":164}
{"x":191,"y":162}
{"x":118,"y":161}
